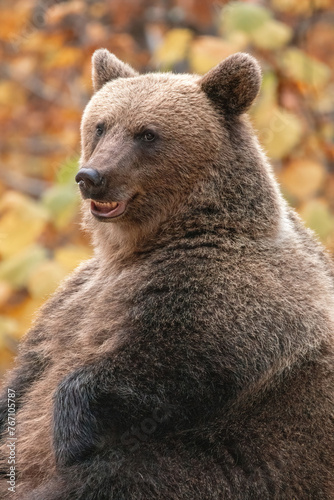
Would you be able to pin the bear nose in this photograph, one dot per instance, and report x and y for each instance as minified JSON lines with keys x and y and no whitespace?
{"x":89,"y":180}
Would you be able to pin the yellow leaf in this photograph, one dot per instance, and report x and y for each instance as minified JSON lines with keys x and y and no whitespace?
{"x":62,"y":202}
{"x":323,"y":102}
{"x":207,"y":51}
{"x":271,"y":35}
{"x":303,"y":178}
{"x":70,"y":256}
{"x":317,"y":216}
{"x":63,"y":57}
{"x":11,"y":94}
{"x":302,"y":68}
{"x":8,"y":327}
{"x":43,"y":42}
{"x":21,"y":222}
{"x":300,"y":6}
{"x":45,"y":279}
{"x":5,"y":292}
{"x":327,"y":131}
{"x":280,"y":134}
{"x":174,"y":48}
{"x":8,"y":342}
{"x":17,"y":269}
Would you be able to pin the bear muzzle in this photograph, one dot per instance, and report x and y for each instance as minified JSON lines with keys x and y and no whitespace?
{"x":92,"y":186}
{"x":90,"y":182}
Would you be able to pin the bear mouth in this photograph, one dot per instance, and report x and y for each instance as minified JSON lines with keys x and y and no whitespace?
{"x":107,"y":210}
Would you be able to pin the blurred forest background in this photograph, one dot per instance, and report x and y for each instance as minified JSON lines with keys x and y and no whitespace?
{"x":46,"y":48}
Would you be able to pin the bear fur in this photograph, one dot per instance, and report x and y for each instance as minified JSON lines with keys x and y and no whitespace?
{"x":192,"y":357}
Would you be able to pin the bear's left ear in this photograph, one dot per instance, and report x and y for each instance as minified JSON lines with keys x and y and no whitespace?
{"x":106,"y":67}
{"x":233,"y":84}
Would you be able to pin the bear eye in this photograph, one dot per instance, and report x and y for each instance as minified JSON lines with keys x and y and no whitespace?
{"x":148,"y":136}
{"x":99,"y":129}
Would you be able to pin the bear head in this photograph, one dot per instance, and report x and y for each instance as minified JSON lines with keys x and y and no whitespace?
{"x":161,"y":144}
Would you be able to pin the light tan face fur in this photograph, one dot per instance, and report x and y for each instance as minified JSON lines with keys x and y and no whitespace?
{"x":151,"y":176}
{"x":153,"y":141}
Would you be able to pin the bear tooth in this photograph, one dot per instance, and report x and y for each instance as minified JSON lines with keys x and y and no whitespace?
{"x":112,"y":204}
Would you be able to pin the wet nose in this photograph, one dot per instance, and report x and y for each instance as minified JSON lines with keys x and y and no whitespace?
{"x":89,"y":180}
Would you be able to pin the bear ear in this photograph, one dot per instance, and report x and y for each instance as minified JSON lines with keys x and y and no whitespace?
{"x":106,"y":67}
{"x":234,"y":83}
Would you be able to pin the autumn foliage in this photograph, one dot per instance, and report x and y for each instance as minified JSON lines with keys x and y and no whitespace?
{"x":46,"y":47}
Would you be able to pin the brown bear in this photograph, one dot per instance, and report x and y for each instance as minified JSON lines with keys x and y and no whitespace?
{"x":192,"y":357}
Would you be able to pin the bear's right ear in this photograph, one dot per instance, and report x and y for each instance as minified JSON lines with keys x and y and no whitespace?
{"x":233,"y":84}
{"x":106,"y":67}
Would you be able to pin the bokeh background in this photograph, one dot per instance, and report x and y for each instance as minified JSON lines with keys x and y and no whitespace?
{"x":46,"y":47}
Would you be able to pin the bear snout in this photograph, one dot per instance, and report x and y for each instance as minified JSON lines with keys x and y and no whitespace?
{"x":90,"y":181}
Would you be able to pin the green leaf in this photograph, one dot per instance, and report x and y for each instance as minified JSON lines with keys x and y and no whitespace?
{"x":246,"y":17}
{"x":62,"y":202}
{"x":17,"y":269}
{"x":68,"y":170}
{"x":266,"y":102}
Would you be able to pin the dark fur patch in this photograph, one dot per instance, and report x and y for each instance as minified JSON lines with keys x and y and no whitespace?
{"x":233,"y":84}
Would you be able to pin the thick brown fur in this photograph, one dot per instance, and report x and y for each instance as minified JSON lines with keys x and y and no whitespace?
{"x":192,"y":357}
